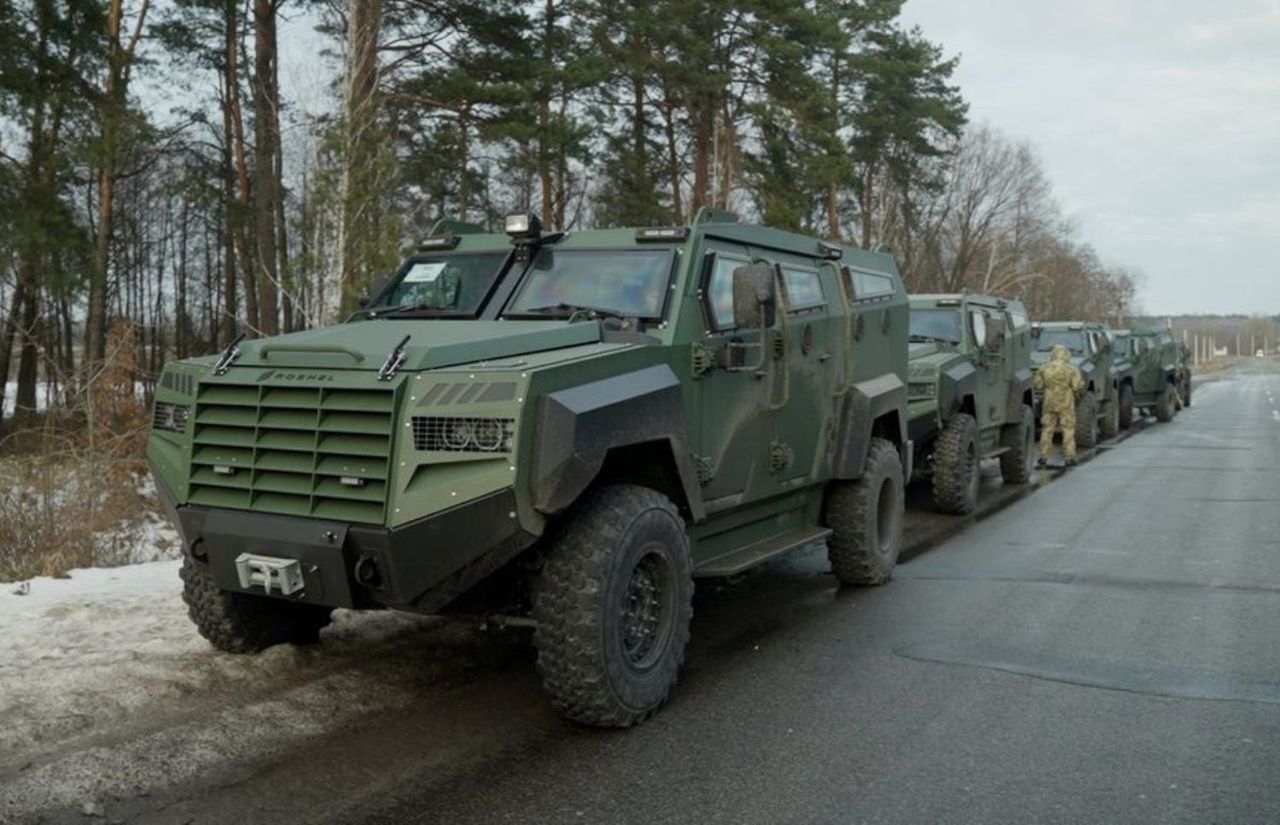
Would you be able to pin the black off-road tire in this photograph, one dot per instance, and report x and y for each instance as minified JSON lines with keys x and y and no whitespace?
{"x":1018,"y":461}
{"x":1109,"y":427}
{"x":957,"y":467}
{"x":1186,"y":393}
{"x":1166,"y":405}
{"x":865,"y":517}
{"x":1126,"y":406}
{"x":1087,"y":422}
{"x":602,"y":659}
{"x":241,"y":623}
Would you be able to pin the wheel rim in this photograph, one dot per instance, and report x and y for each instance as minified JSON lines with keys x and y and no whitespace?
{"x":647,"y":608}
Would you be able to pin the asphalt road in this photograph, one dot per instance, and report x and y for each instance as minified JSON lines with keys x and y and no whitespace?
{"x":1103,"y":650}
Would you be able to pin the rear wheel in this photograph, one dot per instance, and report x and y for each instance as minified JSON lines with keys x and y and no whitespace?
{"x":612,"y":605}
{"x":1166,"y":404}
{"x":1186,"y":392}
{"x":1087,"y":421}
{"x":1126,"y":406}
{"x":1018,"y":461}
{"x":956,"y":466}
{"x":865,"y":517}
{"x":243,"y":623}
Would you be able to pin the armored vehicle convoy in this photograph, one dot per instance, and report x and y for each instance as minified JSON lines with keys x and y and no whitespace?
{"x":969,"y":393}
{"x":1150,"y":373}
{"x":566,"y":428}
{"x":1090,"y":344}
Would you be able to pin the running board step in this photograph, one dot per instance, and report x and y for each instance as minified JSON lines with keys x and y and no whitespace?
{"x":753,"y":554}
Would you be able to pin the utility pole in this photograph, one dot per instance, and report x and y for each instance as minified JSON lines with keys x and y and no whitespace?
{"x":1195,"y":358}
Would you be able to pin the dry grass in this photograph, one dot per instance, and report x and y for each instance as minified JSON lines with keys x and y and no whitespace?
{"x":72,"y":481}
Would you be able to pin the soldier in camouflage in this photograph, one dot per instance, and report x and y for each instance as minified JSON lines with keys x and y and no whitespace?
{"x":1060,"y":381}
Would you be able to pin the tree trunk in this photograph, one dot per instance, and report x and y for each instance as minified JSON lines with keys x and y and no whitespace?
{"x":237,"y":217}
{"x":8,"y":334}
{"x":111,"y":112}
{"x":544,"y":113}
{"x":673,"y":154}
{"x":265,"y":136}
{"x":703,"y":117}
{"x":360,"y":145}
{"x":227,"y":330}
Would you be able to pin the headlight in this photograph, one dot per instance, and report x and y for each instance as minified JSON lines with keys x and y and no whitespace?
{"x":171,"y":417}
{"x":463,"y":435}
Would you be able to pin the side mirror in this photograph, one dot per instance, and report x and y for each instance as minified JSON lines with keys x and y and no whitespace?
{"x":995,"y":337}
{"x":373,"y":291}
{"x":755,"y":296}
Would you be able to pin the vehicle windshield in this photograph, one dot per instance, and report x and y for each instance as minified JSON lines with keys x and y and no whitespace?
{"x":445,"y":284}
{"x":626,"y":282}
{"x":1072,"y":339}
{"x":936,"y":325}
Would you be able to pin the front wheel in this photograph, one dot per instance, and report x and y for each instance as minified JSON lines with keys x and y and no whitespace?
{"x":1166,"y":405}
{"x":244,"y":623}
{"x":1126,"y":407}
{"x":957,"y":466}
{"x":865,"y":517}
{"x":1087,"y":421}
{"x":1018,"y":461}
{"x":612,"y":607}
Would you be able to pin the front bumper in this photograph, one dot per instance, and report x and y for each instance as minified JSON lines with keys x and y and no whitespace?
{"x":422,"y":565}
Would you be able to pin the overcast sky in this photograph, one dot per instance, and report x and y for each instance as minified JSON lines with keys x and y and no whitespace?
{"x":1158,"y":122}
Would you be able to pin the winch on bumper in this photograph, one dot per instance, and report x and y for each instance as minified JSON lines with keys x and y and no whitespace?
{"x":422,"y":565}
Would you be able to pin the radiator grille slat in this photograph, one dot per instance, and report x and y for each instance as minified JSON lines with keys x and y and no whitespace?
{"x":293,"y":450}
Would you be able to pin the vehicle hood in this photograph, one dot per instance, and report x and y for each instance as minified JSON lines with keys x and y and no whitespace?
{"x":365,"y":345}
{"x":1039,"y":359}
{"x":927,"y":359}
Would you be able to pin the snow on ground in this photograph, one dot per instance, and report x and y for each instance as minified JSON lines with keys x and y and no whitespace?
{"x":106,"y":688}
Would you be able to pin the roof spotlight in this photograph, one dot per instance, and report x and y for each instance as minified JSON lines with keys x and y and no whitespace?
{"x":523,"y":225}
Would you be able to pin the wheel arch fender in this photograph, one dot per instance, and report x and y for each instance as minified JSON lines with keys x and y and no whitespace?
{"x":875,"y":408}
{"x":577,"y":428}
{"x":1019,"y":394}
{"x":957,"y":385}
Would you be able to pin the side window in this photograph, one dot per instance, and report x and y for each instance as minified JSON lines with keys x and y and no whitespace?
{"x":872,"y":284}
{"x":719,"y":291}
{"x":1018,"y":318}
{"x":804,"y":289}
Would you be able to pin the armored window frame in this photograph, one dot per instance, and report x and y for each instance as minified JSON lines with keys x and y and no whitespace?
{"x":794,"y":308}
{"x":868,"y":284}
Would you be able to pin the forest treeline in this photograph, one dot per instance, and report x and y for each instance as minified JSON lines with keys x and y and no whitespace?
{"x":193,"y":223}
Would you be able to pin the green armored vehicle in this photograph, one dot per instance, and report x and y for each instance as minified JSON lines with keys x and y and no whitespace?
{"x":1090,"y":343}
{"x":1149,"y":369}
{"x":566,"y":428}
{"x":969,"y":393}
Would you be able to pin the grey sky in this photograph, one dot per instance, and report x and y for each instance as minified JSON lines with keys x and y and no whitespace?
{"x":1158,"y":122}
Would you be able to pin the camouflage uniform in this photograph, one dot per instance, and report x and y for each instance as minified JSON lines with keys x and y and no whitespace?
{"x":1060,"y":380}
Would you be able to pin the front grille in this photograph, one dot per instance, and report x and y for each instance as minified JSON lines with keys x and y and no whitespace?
{"x":921,"y":390}
{"x":168,"y":416}
{"x":458,"y":434}
{"x":293,"y":450}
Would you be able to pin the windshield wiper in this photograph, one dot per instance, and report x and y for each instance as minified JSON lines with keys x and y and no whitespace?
{"x":603,"y":312}
{"x":918,"y":338}
{"x":387,"y":311}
